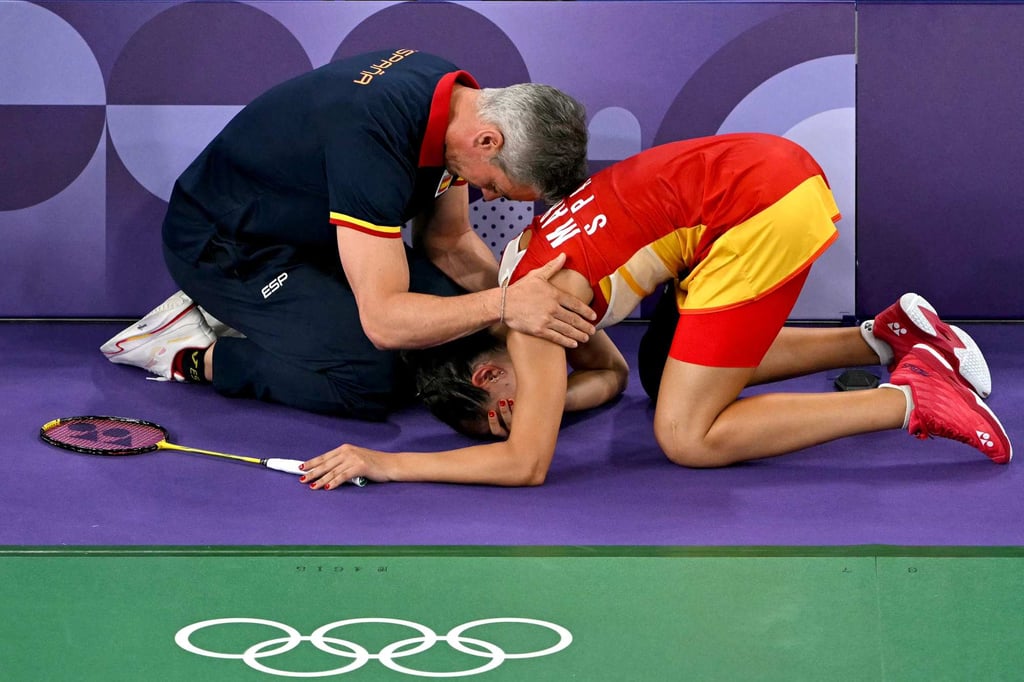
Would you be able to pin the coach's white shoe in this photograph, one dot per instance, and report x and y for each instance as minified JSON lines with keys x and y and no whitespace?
{"x":154,"y":341}
{"x":218,"y":328}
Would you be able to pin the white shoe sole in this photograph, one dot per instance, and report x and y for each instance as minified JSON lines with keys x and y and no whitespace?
{"x":972,"y":365}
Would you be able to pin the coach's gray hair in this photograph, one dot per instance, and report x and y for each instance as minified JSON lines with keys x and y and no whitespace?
{"x":545,"y":133}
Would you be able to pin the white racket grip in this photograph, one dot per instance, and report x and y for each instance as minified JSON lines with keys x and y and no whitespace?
{"x":290,"y":466}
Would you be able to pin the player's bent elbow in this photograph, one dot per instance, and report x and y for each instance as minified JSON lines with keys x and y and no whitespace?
{"x":520,"y":478}
{"x":691,"y":460}
{"x":527,"y":476}
{"x":530,"y":467}
{"x":536,"y":478}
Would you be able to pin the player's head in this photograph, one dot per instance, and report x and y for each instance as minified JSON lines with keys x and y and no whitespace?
{"x":545,"y":137}
{"x":461,"y":381}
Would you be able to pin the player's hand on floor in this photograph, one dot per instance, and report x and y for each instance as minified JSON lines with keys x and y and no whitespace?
{"x":331,"y":469}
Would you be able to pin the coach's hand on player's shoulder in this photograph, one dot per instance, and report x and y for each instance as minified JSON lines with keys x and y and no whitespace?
{"x":536,"y":307}
{"x":331,"y":469}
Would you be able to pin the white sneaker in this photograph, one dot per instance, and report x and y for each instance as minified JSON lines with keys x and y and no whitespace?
{"x":152,"y":342}
{"x":218,"y":328}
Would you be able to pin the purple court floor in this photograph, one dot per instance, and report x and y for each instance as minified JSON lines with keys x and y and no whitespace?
{"x":609,"y":485}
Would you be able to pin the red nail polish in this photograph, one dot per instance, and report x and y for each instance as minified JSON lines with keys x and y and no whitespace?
{"x":302,"y":479}
{"x":490,"y":413}
{"x":302,"y":467}
{"x":312,"y":486}
{"x":327,"y":486}
{"x":501,"y":403}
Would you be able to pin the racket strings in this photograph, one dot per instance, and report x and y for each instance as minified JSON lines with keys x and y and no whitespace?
{"x":106,"y":435}
{"x":125,"y":436}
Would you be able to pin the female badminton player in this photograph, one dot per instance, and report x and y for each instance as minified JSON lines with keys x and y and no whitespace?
{"x":735,"y":221}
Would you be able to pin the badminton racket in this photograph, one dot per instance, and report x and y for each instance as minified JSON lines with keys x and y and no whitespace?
{"x":116,"y":436}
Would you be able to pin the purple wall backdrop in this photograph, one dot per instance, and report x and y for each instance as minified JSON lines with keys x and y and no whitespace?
{"x":940,"y":146}
{"x":103,"y":103}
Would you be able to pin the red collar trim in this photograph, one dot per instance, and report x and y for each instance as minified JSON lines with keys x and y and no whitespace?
{"x":432,"y":150}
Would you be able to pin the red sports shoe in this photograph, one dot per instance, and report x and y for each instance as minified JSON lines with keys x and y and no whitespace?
{"x":944,"y":407}
{"x":912,"y":320}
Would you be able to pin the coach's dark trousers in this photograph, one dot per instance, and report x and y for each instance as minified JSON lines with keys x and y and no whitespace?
{"x":304,"y":345}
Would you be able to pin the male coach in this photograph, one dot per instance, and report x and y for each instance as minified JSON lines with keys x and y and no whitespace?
{"x":288,"y":228}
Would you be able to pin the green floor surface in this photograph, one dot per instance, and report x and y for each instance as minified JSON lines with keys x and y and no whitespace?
{"x":516,"y":614}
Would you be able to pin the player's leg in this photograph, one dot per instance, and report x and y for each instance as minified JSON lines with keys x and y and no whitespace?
{"x":700,"y":423}
{"x":885,"y":340}
{"x":795,"y":351}
{"x":798,"y":351}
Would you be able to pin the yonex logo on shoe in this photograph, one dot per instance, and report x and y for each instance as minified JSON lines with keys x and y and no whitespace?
{"x":986,"y":439}
{"x":896,"y":329}
{"x":274,"y":284}
{"x":916,"y":370}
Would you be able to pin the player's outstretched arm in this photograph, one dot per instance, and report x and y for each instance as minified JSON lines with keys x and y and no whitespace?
{"x":522,"y":460}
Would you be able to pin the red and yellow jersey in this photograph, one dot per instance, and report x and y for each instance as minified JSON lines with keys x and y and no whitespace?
{"x":760,"y":200}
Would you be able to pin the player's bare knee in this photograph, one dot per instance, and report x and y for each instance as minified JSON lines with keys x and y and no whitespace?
{"x":692,"y":459}
{"x":681,"y":447}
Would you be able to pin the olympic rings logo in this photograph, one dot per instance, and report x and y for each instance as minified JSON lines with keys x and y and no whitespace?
{"x":344,"y":648}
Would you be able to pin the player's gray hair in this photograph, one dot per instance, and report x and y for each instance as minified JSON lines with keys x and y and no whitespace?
{"x":545,"y":133}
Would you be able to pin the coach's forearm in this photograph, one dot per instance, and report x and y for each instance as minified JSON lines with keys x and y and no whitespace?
{"x":466,"y":260}
{"x":409,"y":321}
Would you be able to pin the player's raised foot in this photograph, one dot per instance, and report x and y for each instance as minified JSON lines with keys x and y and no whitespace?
{"x":943,"y":406}
{"x":153,"y":342}
{"x":912,"y":320}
